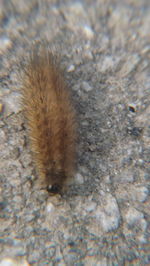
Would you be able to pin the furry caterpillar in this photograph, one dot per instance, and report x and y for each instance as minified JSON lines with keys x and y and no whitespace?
{"x":50,"y":118}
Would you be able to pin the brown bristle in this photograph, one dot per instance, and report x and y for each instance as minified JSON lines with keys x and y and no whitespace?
{"x":50,"y":118}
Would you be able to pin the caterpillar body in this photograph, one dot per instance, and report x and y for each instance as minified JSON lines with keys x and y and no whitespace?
{"x":50,"y":118}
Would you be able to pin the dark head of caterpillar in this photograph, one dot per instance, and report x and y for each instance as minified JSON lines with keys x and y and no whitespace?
{"x":57,"y":183}
{"x":54,"y":189}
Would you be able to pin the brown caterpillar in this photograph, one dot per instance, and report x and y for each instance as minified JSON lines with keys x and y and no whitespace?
{"x":50,"y":118}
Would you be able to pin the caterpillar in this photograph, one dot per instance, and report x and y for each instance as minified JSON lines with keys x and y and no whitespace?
{"x":50,"y":117}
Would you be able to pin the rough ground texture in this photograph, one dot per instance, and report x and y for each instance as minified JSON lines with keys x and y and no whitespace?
{"x":104,"y":218}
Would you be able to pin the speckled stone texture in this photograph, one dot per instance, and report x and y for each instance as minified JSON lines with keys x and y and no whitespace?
{"x":104,"y":217}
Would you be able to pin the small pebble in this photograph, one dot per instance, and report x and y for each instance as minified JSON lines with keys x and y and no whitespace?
{"x":86,"y":87}
{"x":108,"y":214}
{"x":5,"y":43}
{"x":79,"y":178}
{"x":132,"y":216}
{"x":88,"y":32}
{"x":132,"y":108}
{"x":12,"y":103}
{"x":71,"y":68}
{"x":140,"y":194}
{"x":50,"y":207}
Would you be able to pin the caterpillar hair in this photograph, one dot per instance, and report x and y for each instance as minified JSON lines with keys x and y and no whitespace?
{"x":50,"y":117}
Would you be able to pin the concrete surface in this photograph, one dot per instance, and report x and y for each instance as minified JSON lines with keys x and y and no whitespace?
{"x":104,"y":218}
